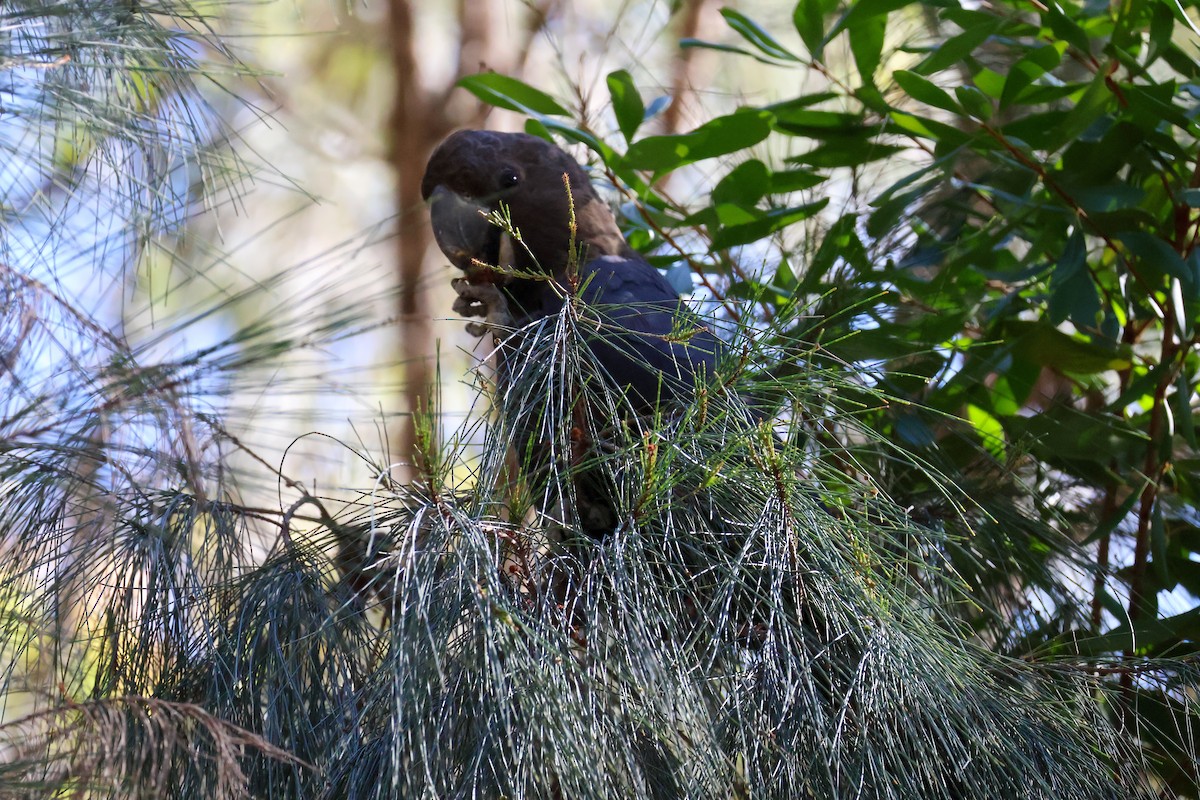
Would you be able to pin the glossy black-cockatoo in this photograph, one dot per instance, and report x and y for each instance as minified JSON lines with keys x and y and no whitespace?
{"x":644,"y":343}
{"x":649,"y":345}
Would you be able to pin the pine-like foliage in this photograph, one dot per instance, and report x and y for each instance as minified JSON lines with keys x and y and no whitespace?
{"x":746,"y":630}
{"x":756,"y":624}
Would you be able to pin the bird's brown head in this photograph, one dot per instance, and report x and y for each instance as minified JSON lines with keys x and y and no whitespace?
{"x":474,"y":172}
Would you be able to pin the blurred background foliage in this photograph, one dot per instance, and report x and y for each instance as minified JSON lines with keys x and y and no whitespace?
{"x":954,"y":243}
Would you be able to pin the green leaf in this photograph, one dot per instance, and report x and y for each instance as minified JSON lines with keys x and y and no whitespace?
{"x":809,"y":19}
{"x":1093,"y":103}
{"x":989,"y":82}
{"x":1012,"y":386}
{"x":1151,"y":251}
{"x":846,"y":153}
{"x":957,"y":48}
{"x":1158,"y":545}
{"x":1065,"y":28}
{"x":1183,"y":411}
{"x":755,"y":35}
{"x":818,"y":124}
{"x":1073,"y":293}
{"x":892,"y":206}
{"x":784,"y":278}
{"x":926,"y":128}
{"x":1087,"y":442}
{"x":701,"y":44}
{"x":1031,"y":66}
{"x":746,"y":184}
{"x":1044,"y":344}
{"x":1153,"y":104}
{"x":1036,"y":130}
{"x":511,"y":94}
{"x":717,"y":137}
{"x":863,"y":10}
{"x":1162,"y":25}
{"x":977,"y":104}
{"x":794,"y":180}
{"x":841,"y":242}
{"x":866,"y":43}
{"x":924,"y":91}
{"x":541,"y":126}
{"x":1088,"y":162}
{"x":626,"y":102}
{"x":989,"y":430}
{"x":768,"y":223}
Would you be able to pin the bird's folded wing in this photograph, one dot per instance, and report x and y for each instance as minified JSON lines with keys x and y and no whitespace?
{"x":647,"y":340}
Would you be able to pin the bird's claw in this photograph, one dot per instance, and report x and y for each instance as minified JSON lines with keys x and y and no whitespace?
{"x":482,"y":300}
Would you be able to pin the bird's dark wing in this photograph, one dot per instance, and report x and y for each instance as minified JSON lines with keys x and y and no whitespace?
{"x":647,"y":341}
{"x":633,"y":325}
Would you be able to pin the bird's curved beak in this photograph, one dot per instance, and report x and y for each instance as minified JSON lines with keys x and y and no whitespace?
{"x":462,"y":230}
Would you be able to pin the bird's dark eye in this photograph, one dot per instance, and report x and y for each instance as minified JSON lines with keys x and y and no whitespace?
{"x":509,"y":178}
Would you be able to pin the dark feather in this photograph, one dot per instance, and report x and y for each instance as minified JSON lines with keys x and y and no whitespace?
{"x":648,"y":343}
{"x":644,"y":342}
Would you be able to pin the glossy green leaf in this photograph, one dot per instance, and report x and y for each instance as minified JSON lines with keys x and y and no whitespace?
{"x":976,"y":103}
{"x":816,"y":124}
{"x":1154,"y":104}
{"x":863,"y":10}
{"x":989,"y":430}
{"x":1065,"y":28}
{"x":717,"y":137}
{"x":1045,"y":344}
{"x":1096,"y":99}
{"x":691,"y":43}
{"x":753,"y":33}
{"x":1184,"y":415}
{"x":745,"y":185}
{"x":846,"y":153}
{"x":809,"y":19}
{"x":957,"y":48}
{"x":925,"y":91}
{"x":1092,"y":162}
{"x":989,"y":82}
{"x":511,"y":94}
{"x":1063,"y":434}
{"x":1158,"y":545}
{"x":926,"y":128}
{"x":840,"y":242}
{"x":1162,"y":25}
{"x":542,"y":126}
{"x":1145,"y":635}
{"x":1010,"y":391}
{"x":626,"y":102}
{"x":866,"y":44}
{"x":1033,"y":65}
{"x":767,"y":224}
{"x":794,"y":180}
{"x":1073,"y":293}
{"x":1151,"y":251}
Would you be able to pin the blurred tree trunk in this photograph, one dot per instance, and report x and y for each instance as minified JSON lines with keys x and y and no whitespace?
{"x":691,"y":18}
{"x":421,"y":117}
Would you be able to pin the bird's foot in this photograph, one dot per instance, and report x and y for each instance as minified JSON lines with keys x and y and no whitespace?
{"x":482,"y":300}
